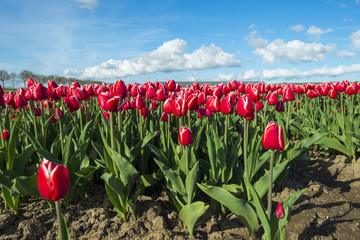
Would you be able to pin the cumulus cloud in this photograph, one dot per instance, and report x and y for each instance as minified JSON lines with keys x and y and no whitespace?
{"x":315,"y":32}
{"x":89,"y":4}
{"x":169,"y":57}
{"x":255,"y":41}
{"x":294,"y":73}
{"x":193,"y":77}
{"x":346,"y":54}
{"x":294,"y":51}
{"x":224,"y":77}
{"x":297,"y":28}
{"x":252,"y":26}
{"x":355,"y":39}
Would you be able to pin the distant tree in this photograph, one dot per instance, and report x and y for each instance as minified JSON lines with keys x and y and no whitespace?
{"x":13,"y":76}
{"x":25,"y":75}
{"x":4,"y":75}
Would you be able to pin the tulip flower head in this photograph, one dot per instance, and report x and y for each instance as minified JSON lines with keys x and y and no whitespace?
{"x":280,"y":214}
{"x":6,"y":134}
{"x":185,"y":136}
{"x":273,"y":137}
{"x":53,"y":180}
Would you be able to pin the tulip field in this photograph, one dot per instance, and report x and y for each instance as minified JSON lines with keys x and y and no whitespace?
{"x":214,"y":150}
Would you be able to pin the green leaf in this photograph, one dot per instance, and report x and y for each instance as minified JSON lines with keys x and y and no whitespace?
{"x":262,"y":185}
{"x":288,"y":203}
{"x":14,"y":132}
{"x":68,"y":148}
{"x":4,"y":180}
{"x":333,"y":144}
{"x":190,"y":213}
{"x":150,"y":179}
{"x":191,"y":180}
{"x":259,"y":208}
{"x":175,"y":179}
{"x":238,"y":206}
{"x":21,"y":160}
{"x":25,"y":185}
{"x":35,"y":143}
{"x":210,"y":148}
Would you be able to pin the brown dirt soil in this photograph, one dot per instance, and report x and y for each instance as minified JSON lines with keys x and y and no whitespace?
{"x":329,"y":209}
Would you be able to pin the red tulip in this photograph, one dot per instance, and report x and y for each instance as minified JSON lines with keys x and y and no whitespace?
{"x":72,"y":103}
{"x":273,"y":137}
{"x":280,"y":211}
{"x":165,"y":117}
{"x":1,"y":91}
{"x":201,"y":98}
{"x":119,"y":89}
{"x":167,"y":106}
{"x":311,"y":94}
{"x":280,"y":106}
{"x":59,"y":114}
{"x":340,"y":87}
{"x":37,"y":112}
{"x":214,"y":104}
{"x":30,"y":82}
{"x":227,"y":105}
{"x":350,"y":90}
{"x":332,"y":93}
{"x":185,"y":136}
{"x":170,"y":85}
{"x":106,"y":115}
{"x":114,"y":104}
{"x":53,"y":180}
{"x":161,"y":95}
{"x":39,"y":92}
{"x":288,"y":94}
{"x":19,"y":100}
{"x":273,"y":98}
{"x":176,"y":106}
{"x":151,"y":92}
{"x":245,"y":107}
{"x":6,"y":134}
{"x":259,"y":106}
{"x":192,"y":102}
{"x":254,"y":95}
{"x":139,"y":102}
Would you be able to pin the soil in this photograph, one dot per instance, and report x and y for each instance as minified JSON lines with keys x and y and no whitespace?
{"x":329,"y":209}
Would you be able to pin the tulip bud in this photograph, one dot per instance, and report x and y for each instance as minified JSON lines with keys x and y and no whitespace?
{"x":165,"y":117}
{"x":139,"y":102}
{"x":227,"y":105}
{"x":6,"y":134}
{"x":185,"y":136}
{"x":245,"y":107}
{"x":280,"y":106}
{"x":280,"y":211}
{"x":273,"y":137}
{"x":288,"y":95}
{"x":53,"y":180}
{"x":59,"y":114}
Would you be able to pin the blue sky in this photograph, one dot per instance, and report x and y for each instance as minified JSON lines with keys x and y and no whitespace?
{"x":271,"y":41}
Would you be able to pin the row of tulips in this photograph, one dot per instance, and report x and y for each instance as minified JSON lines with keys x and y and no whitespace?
{"x":207,"y":145}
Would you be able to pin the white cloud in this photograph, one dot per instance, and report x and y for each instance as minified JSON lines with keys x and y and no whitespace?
{"x":357,"y":1}
{"x":316,"y":32}
{"x":252,"y":26}
{"x":89,"y":4}
{"x":169,"y":57}
{"x":355,"y":39}
{"x":343,"y":5}
{"x":297,"y":28}
{"x":294,"y":51}
{"x":193,"y":77}
{"x":224,"y":77}
{"x":255,"y":41}
{"x":346,"y":54}
{"x":294,"y":73}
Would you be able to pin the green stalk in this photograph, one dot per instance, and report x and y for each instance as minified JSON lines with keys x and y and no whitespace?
{"x":61,"y":138}
{"x":189,"y":118}
{"x":43,"y":124}
{"x":25,"y":120}
{"x":270,"y":183}
{"x":187,"y":160}
{"x":81,"y":119}
{"x":111,"y":130}
{"x":255,"y":120}
{"x":226,"y":132}
{"x":120,"y":128}
{"x":245,"y":149}
{"x":288,"y":117}
{"x":1,"y":129}
{"x":62,"y":233}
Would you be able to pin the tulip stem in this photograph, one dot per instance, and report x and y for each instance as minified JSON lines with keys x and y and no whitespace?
{"x":62,"y":233}
{"x":1,"y":129}
{"x":245,"y":149}
{"x":111,"y":130}
{"x":81,"y":119}
{"x":25,"y":120}
{"x":189,"y":118}
{"x":61,"y":139}
{"x":270,"y":183}
{"x":226,"y":132}
{"x":168,"y":136}
{"x":43,"y":124}
{"x":288,"y":117}
{"x":120,"y":128}
{"x":187,"y":160}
